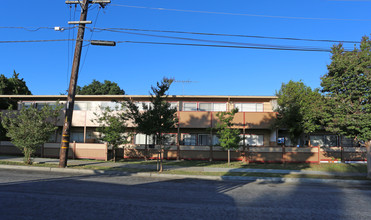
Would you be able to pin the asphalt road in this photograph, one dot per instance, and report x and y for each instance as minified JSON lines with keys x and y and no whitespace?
{"x":39,"y":195}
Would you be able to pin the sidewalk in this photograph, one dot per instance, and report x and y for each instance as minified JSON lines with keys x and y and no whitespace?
{"x":152,"y":167}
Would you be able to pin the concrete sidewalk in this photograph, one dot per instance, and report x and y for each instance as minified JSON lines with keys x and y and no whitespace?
{"x":152,"y":167}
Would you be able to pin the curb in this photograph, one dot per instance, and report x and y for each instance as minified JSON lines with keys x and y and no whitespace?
{"x":175,"y":176}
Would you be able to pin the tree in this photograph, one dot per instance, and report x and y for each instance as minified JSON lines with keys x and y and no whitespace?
{"x":299,"y":109}
{"x":112,"y":128}
{"x":229,"y":137}
{"x":98,"y":88}
{"x":29,"y":128}
{"x":11,"y":86}
{"x":158,"y":118}
{"x":348,"y":97}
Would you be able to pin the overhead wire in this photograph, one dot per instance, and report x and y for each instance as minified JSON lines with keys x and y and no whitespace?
{"x":230,"y":46}
{"x":211,"y":41}
{"x":235,"y":35}
{"x":183,"y":44}
{"x":240,"y":14}
{"x":203,"y":33}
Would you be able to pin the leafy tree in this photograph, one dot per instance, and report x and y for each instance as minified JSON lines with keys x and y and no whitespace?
{"x":98,"y":88}
{"x":29,"y":128}
{"x":11,"y":86}
{"x":158,"y":118}
{"x":348,"y":97}
{"x":229,"y":137}
{"x":112,"y":128}
{"x":299,"y":109}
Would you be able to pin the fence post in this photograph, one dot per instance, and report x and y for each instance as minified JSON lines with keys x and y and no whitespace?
{"x":342,"y":154}
{"x":74,"y":150}
{"x":106,"y":151}
{"x":319,"y":151}
{"x":42,"y":150}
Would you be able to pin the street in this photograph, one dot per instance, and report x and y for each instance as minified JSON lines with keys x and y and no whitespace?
{"x":41,"y":195}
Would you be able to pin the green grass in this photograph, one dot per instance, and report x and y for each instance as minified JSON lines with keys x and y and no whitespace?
{"x":329,"y":167}
{"x":23,"y":164}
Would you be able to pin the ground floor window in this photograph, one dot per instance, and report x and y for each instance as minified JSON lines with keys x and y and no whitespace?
{"x":189,"y":139}
{"x":324,"y":140}
{"x":252,"y":140}
{"x":204,"y":139}
{"x":141,"y":139}
{"x":77,"y":137}
{"x":170,"y":139}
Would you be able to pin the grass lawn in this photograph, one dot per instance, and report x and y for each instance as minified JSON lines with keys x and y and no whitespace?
{"x":327,"y":167}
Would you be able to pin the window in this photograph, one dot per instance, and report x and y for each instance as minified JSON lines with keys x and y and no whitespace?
{"x":173,"y":105}
{"x":41,"y":105}
{"x":220,"y":107}
{"x":141,"y":139}
{"x":170,"y":139}
{"x":205,"y":107}
{"x":214,"y":107}
{"x":249,"y":107}
{"x":191,"y":106}
{"x":323,"y":140}
{"x":346,"y":142}
{"x":189,"y":139}
{"x":252,"y":140}
{"x":143,"y":105}
{"x":77,"y":137}
{"x":215,"y":140}
{"x":111,"y":105}
{"x":80,"y":106}
{"x":204,"y":139}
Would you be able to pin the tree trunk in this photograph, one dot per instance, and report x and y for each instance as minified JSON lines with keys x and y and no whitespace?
{"x":368,"y":147}
{"x":114,"y":154}
{"x":229,"y":157}
{"x":161,"y":153}
{"x":211,"y":153}
{"x":146,"y":150}
{"x":27,"y":156}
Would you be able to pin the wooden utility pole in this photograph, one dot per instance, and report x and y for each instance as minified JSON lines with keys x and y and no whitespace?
{"x":63,"y":156}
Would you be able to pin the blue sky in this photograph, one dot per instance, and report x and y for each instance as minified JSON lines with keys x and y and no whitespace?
{"x":46,"y":66}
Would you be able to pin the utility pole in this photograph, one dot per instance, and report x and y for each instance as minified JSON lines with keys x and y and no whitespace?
{"x":63,"y":156}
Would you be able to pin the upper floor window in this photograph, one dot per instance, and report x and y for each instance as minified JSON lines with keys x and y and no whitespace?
{"x":249,"y":107}
{"x":212,"y":107}
{"x":143,"y":105}
{"x":111,"y":105}
{"x":205,"y":106}
{"x":190,"y":106}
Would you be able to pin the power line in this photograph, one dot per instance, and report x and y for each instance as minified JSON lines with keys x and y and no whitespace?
{"x":34,"y":41}
{"x":33,"y":29}
{"x":201,"y":45}
{"x":234,"y":35}
{"x":209,"y":41}
{"x":240,"y":14}
{"x":194,"y":33}
{"x":231,"y":46}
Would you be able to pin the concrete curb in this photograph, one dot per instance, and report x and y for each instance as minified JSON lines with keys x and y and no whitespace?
{"x":176,"y":176}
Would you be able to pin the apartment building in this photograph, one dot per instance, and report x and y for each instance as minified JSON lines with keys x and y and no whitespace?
{"x":193,"y":138}
{"x":196,"y":114}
